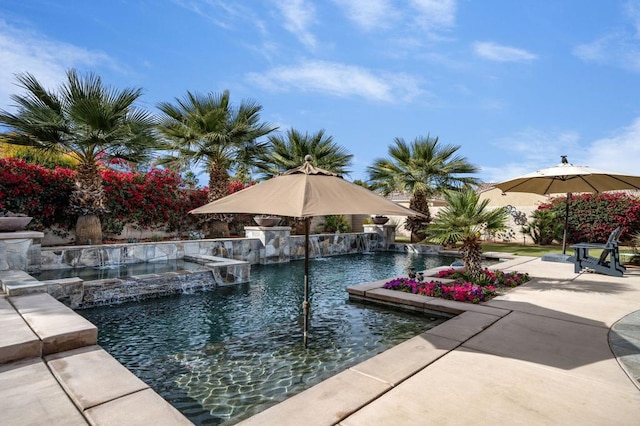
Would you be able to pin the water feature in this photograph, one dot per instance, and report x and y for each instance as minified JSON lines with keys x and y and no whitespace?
{"x":223,"y":355}
{"x":118,"y":271}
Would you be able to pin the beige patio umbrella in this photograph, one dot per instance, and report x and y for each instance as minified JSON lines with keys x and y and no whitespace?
{"x":305,"y":192}
{"x":567,"y":178}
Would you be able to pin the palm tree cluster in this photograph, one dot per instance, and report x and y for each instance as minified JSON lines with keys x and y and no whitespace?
{"x":90,"y":124}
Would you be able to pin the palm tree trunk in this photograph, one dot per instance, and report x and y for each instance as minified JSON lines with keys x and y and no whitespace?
{"x":87,"y":200}
{"x":218,"y":188}
{"x":472,"y":256}
{"x":88,"y":230}
{"x":416,"y":224}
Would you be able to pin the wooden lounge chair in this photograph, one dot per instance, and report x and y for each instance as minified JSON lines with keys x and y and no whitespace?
{"x":609,"y":261}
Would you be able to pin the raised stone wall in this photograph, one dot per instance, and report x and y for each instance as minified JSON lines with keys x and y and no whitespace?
{"x":324,"y":245}
{"x":244,"y":249}
{"x":225,"y":262}
{"x":110,"y":291}
{"x":20,"y":250}
{"x":275,"y":243}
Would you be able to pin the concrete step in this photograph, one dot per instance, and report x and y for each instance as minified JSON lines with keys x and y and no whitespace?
{"x":106,"y":392}
{"x":30,"y":395}
{"x":17,"y":340}
{"x":58,"y":327}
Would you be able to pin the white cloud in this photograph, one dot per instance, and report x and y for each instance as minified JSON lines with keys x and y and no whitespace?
{"x":500,"y":53}
{"x":23,"y":51}
{"x":619,"y":47}
{"x":369,"y":14}
{"x":435,"y":14}
{"x":299,"y":15}
{"x":221,"y":13}
{"x":338,"y":80}
{"x":618,"y":153}
{"x":534,"y":149}
{"x":531,"y":150}
{"x":616,"y":49}
{"x":632,"y":10}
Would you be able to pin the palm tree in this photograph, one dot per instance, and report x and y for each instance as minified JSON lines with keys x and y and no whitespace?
{"x":288,"y":152}
{"x":464,"y":219}
{"x":88,"y":122}
{"x":208,"y":130}
{"x":422,"y":168}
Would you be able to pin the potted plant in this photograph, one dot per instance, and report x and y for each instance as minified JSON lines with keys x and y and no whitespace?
{"x":11,"y":222}
{"x":267,"y":220}
{"x":380,"y":220}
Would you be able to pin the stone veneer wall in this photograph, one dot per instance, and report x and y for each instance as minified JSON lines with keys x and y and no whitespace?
{"x":264,"y":246}
{"x":415,"y":248}
{"x":20,"y":251}
{"x":225,"y":262}
{"x":245,"y":249}
{"x":324,"y":245}
{"x":110,"y":291}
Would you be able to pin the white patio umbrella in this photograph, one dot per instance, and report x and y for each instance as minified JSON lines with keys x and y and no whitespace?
{"x":567,"y":178}
{"x":305,"y":191}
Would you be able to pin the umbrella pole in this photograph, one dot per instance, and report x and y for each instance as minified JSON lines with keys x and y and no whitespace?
{"x":566,"y":224}
{"x":305,"y":303}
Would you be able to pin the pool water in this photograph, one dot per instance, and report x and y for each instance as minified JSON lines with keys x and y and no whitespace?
{"x":223,"y":355}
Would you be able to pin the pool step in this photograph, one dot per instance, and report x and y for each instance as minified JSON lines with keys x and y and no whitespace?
{"x":52,"y":372}
{"x":17,"y":340}
{"x":110,"y":394}
{"x":30,"y":395}
{"x":58,"y":327}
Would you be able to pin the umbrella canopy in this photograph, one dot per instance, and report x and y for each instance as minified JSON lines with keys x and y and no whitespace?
{"x":567,"y":178}
{"x":306,"y":191}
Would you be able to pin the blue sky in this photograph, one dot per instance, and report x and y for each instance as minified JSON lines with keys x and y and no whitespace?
{"x":514,"y":83}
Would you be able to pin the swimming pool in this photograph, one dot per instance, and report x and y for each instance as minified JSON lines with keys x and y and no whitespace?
{"x":223,"y":355}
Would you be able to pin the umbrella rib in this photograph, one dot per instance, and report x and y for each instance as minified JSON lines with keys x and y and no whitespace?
{"x":581,"y":177}
{"x":625,"y":182}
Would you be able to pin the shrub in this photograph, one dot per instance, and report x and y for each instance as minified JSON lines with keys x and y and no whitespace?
{"x":488,"y":277}
{"x":153,"y":200}
{"x":36,"y":191}
{"x":335,"y":223}
{"x":544,"y":227}
{"x":158,"y":199}
{"x":592,"y":217}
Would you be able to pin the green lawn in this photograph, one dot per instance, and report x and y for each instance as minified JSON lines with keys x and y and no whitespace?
{"x":528,"y":250}
{"x":626,"y":253}
{"x":514,"y":248}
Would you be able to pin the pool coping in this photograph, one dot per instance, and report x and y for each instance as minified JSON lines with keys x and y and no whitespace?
{"x":53,"y":372}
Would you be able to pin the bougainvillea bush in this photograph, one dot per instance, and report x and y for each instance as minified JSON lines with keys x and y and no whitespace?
{"x":462,"y":289}
{"x":36,"y":191}
{"x":592,"y":217}
{"x":157,"y":199}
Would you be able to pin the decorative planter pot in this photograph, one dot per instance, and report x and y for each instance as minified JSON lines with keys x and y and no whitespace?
{"x":15,"y":223}
{"x":267,"y":221}
{"x":380,"y":220}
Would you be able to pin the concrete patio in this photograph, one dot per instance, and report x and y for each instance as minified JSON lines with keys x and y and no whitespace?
{"x":540,"y":354}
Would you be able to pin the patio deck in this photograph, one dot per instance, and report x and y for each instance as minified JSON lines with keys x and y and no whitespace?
{"x":541,"y":354}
